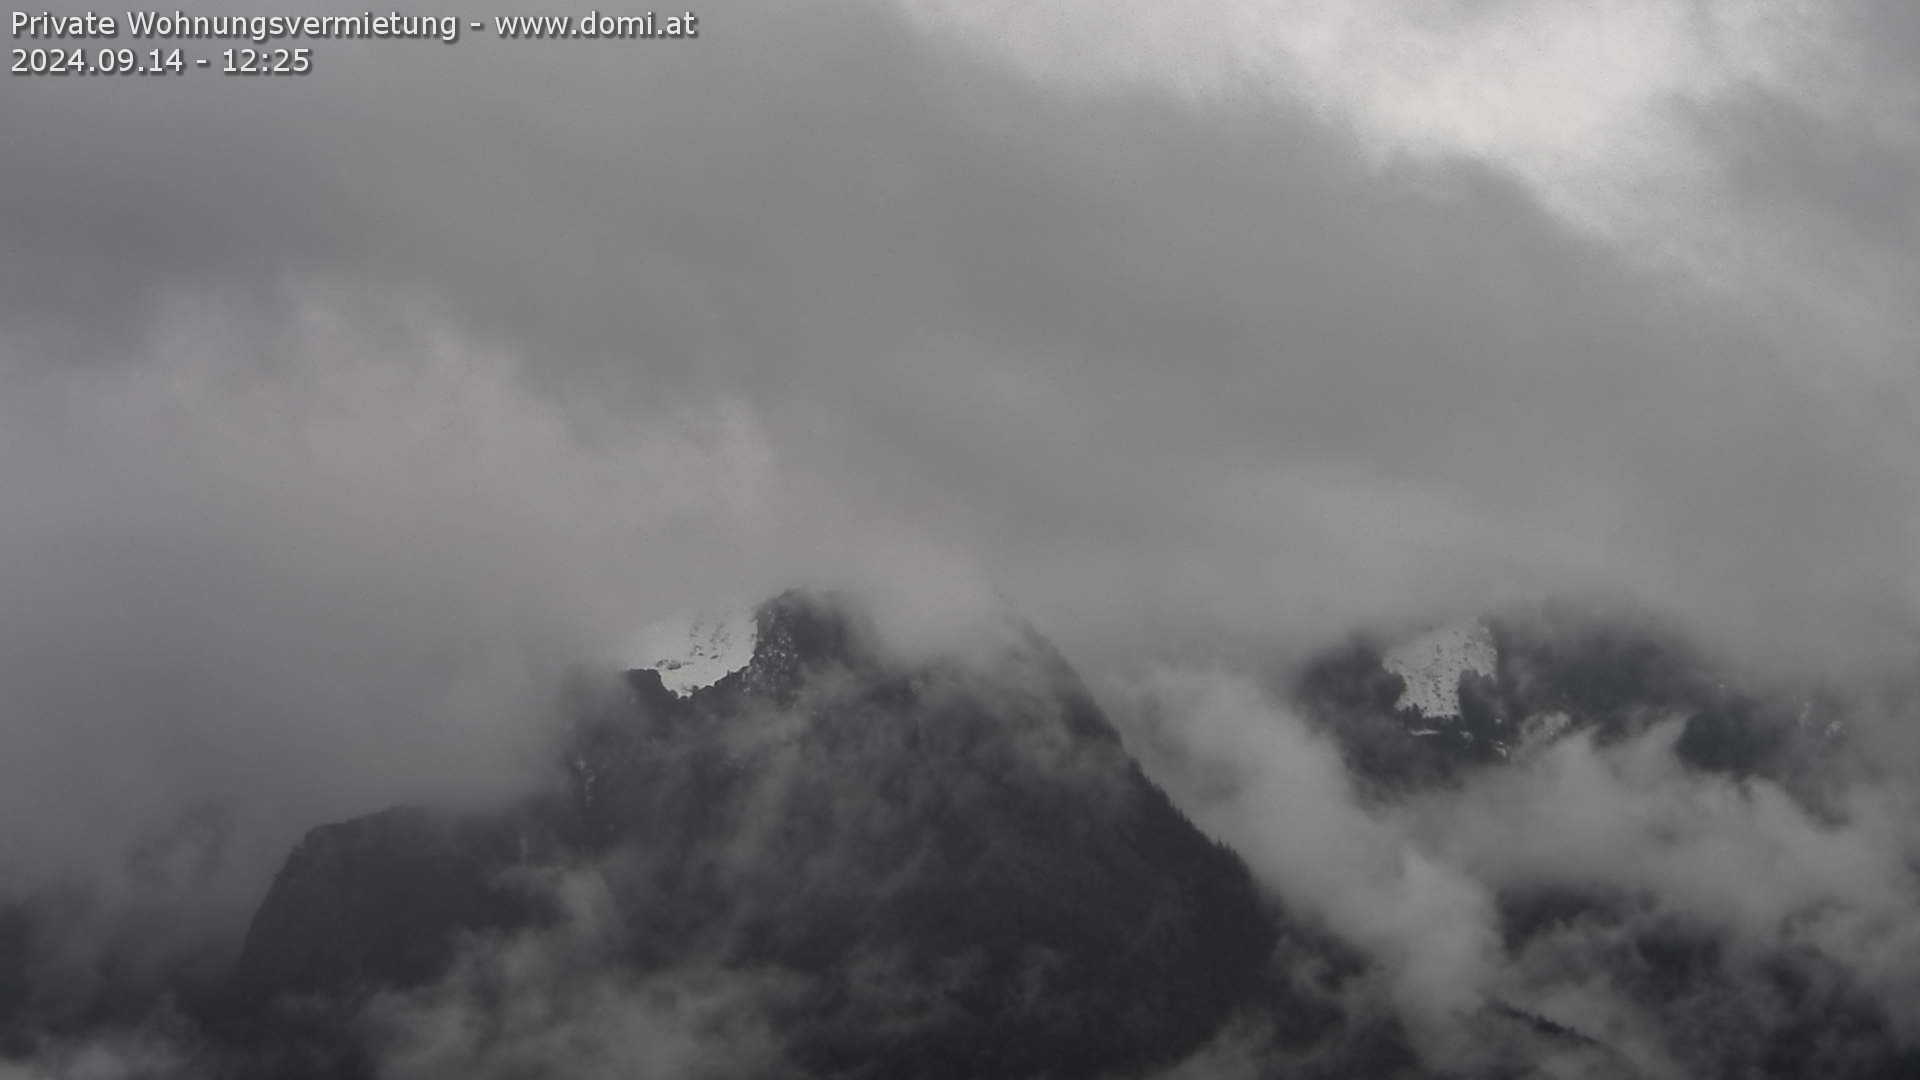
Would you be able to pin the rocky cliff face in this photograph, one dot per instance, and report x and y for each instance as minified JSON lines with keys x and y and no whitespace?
{"x":949,"y":867}
{"x":788,"y":850}
{"x":1419,"y":711}
{"x":1457,"y":710}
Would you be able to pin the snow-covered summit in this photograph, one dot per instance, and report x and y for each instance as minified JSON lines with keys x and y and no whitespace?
{"x":691,"y":652}
{"x":1432,"y":663}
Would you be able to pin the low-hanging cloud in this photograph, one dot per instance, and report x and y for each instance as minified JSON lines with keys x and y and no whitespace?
{"x":325,"y":442}
{"x":1744,"y":857}
{"x":547,"y":1002}
{"x":1426,"y":884}
{"x":1253,"y":774}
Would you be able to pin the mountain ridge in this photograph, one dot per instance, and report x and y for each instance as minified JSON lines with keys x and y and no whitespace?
{"x":982,"y":836}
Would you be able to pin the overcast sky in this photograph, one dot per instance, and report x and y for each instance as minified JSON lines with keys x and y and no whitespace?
{"x":338,"y":411}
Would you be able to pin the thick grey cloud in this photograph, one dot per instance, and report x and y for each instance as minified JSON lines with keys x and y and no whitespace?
{"x":337,"y":412}
{"x":1419,"y":883}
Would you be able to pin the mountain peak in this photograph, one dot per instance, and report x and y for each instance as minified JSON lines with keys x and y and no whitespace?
{"x":762,"y":645}
{"x":1432,"y":663}
{"x":691,"y":653}
{"x":968,"y":826}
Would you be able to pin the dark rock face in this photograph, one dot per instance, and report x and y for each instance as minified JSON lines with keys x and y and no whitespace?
{"x":1732,"y":1011}
{"x":1608,"y":676}
{"x":1727,"y":1010}
{"x":16,"y":943}
{"x":379,"y":901}
{"x":953,"y":866}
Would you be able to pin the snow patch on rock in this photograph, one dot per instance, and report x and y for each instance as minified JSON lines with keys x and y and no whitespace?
{"x":1431,"y":666}
{"x":698,"y":651}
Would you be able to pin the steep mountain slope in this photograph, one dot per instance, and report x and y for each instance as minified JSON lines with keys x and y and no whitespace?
{"x":945,"y":868}
{"x":1463,"y":710}
{"x":784,"y":849}
{"x":1419,"y":711}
